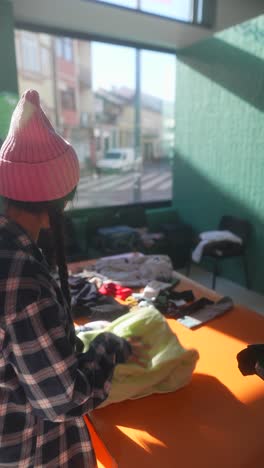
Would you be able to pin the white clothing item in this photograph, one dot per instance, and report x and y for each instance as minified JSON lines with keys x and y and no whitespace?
{"x":90,"y":326}
{"x":208,"y":237}
{"x":153,"y":289}
{"x":136,"y":271}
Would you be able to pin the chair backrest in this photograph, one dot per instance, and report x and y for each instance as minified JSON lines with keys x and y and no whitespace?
{"x":238,"y":226}
{"x":72,"y":245}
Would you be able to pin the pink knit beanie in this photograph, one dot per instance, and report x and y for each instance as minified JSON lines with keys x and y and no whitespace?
{"x":36,"y":164}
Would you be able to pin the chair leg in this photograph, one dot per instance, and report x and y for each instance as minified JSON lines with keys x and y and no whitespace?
{"x":244,"y":258}
{"x":215,"y":273}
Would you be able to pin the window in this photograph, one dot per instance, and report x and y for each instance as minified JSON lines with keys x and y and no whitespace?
{"x":68,"y":52}
{"x":176,"y":9}
{"x":123,"y":3}
{"x":157,"y":120}
{"x":64,"y":48}
{"x":45,"y":61}
{"x":190,"y":11}
{"x":30,"y":53}
{"x":59,"y":47}
{"x":68,"y":99}
{"x":114,"y":113}
{"x":98,"y":143}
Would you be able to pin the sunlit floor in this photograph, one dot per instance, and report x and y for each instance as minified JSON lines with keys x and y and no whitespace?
{"x":225,"y":287}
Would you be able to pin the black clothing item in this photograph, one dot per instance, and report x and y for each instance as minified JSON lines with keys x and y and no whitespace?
{"x":251,"y":360}
{"x":201,"y":311}
{"x":177,"y":312}
{"x":187,"y":295}
{"x":83,"y":293}
{"x":163,"y":300}
{"x":88,"y":301}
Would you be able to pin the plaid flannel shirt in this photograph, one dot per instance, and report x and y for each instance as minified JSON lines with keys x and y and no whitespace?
{"x":45,"y":386}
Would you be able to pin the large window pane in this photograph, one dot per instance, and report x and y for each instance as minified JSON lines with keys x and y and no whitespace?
{"x":124,"y":139}
{"x":113,"y":84}
{"x":176,"y":9}
{"x":157,"y":123}
{"x":34,"y":54}
{"x":124,"y":3}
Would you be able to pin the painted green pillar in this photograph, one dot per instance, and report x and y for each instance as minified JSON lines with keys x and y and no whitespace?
{"x":8,"y":70}
{"x":8,"y":74}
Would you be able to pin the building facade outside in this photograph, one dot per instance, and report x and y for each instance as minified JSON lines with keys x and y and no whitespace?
{"x":93,"y":120}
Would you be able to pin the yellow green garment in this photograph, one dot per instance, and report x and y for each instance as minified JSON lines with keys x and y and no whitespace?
{"x":169,"y":366}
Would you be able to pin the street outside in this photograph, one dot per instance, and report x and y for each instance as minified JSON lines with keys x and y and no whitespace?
{"x":155,"y":184}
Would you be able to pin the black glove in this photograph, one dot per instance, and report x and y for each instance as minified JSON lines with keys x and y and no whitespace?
{"x":251,"y":360}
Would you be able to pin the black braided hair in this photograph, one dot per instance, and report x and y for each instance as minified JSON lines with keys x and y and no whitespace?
{"x":57,"y":227}
{"x":55,"y":209}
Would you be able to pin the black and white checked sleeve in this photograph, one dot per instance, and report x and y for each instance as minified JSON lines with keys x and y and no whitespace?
{"x":58,"y":383}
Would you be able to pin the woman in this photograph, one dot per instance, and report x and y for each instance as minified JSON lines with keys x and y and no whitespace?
{"x":45,"y":385}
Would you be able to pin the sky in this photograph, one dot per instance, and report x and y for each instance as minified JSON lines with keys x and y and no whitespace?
{"x":115,"y":65}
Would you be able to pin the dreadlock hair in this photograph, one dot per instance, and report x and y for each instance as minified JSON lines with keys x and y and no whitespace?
{"x":55,"y":209}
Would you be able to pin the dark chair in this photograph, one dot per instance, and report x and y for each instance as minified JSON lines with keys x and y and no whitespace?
{"x":73,"y":249}
{"x":178,"y":238}
{"x":222,"y":250}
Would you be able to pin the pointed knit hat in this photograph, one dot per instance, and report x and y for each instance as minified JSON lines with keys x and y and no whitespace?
{"x":36,"y":164}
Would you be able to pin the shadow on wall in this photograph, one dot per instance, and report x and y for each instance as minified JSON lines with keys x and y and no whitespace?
{"x":218,"y":167}
{"x":236,"y":70}
{"x":201,"y":203}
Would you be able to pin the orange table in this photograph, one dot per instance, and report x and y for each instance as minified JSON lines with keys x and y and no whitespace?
{"x":215,"y":422}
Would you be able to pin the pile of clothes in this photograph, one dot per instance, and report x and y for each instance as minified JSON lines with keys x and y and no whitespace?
{"x":135,"y":270}
{"x":104,"y":293}
{"x":88,"y":301}
{"x":169,"y":366}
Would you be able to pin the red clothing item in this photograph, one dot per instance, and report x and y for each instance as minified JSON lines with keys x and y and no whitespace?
{"x":115,"y":290}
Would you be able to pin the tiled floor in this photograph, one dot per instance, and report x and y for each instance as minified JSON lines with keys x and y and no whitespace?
{"x":225,"y":287}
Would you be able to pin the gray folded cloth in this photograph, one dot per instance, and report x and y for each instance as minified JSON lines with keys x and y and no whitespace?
{"x":206,"y":313}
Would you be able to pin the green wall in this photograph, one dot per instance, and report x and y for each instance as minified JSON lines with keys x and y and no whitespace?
{"x":8,"y":74}
{"x":219,"y":163}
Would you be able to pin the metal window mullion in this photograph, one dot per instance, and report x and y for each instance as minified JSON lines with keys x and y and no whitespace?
{"x":137,"y":125}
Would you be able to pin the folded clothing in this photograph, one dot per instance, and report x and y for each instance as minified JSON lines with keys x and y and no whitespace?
{"x":208,"y":237}
{"x":115,"y":290}
{"x":88,"y":301}
{"x":93,"y":277}
{"x":136,"y":270}
{"x":169,"y":365}
{"x":208,"y":310}
{"x":153,"y":289}
{"x":165,"y":297}
{"x":83,"y":293}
